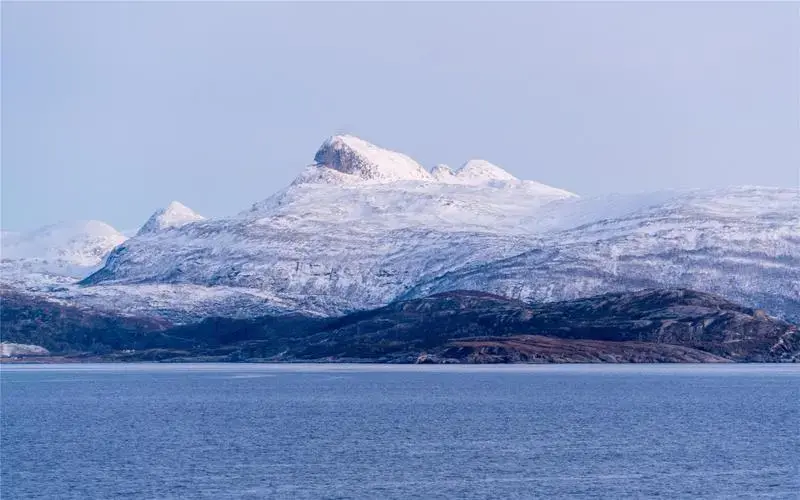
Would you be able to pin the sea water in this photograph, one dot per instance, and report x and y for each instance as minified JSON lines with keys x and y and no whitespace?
{"x":369,"y":431}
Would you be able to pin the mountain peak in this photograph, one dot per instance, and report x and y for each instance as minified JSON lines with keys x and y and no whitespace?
{"x":481,"y":171}
{"x":175,"y":214}
{"x":350,"y":155}
{"x":176,"y":205}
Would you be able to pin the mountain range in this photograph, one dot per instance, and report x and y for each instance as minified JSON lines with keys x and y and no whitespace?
{"x":363,"y":226}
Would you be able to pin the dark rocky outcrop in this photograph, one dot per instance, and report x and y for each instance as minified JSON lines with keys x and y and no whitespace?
{"x":694,"y":320}
{"x":61,"y":329}
{"x":672,"y":325}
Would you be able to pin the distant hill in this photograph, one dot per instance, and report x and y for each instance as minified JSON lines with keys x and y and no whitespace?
{"x":673,"y":325}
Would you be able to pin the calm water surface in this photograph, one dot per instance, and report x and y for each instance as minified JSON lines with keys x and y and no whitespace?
{"x":345,"y":431}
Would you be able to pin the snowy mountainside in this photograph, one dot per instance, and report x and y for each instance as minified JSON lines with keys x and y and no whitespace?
{"x":506,"y":209}
{"x":320,"y":269}
{"x":742,"y":243}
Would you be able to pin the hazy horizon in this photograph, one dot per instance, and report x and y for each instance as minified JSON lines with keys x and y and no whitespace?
{"x":112,"y":110}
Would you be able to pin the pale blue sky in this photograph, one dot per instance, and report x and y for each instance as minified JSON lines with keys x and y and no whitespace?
{"x":110,"y":111}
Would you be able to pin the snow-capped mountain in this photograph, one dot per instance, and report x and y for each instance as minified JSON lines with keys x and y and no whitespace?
{"x":363,"y":226}
{"x":367,"y":162}
{"x":68,"y":248}
{"x":358,"y":227}
{"x":175,"y":214}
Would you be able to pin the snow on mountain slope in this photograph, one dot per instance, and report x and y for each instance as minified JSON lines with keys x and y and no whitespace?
{"x":742,"y":243}
{"x":318,"y":267}
{"x":506,"y":208}
{"x":175,"y":214}
{"x":487,"y":176}
{"x":68,"y":248}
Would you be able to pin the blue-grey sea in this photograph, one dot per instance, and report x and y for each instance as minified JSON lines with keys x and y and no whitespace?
{"x":381,"y":432}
